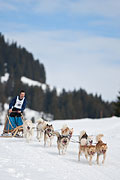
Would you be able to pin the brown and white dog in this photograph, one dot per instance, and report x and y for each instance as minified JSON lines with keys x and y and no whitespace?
{"x":66,"y":131}
{"x":48,"y":134}
{"x":62,"y":142}
{"x":88,"y":150}
{"x":86,"y":146}
{"x":101,"y":148}
{"x":28,"y":130}
{"x":41,"y":125}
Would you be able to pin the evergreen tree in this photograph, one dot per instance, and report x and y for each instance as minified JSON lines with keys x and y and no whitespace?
{"x":117,"y":106}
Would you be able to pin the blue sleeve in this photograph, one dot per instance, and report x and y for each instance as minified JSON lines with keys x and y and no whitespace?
{"x":12,"y":103}
{"x":24,"y":105}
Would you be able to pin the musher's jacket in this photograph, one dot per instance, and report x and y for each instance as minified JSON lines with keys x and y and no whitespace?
{"x":18,"y":104}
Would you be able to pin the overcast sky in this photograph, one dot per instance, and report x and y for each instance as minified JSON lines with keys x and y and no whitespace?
{"x":78,"y":41}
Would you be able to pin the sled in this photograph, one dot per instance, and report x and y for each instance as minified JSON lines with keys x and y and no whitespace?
{"x":13,"y":127}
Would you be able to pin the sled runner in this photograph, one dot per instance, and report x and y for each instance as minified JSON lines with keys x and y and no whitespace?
{"x":13,"y":125}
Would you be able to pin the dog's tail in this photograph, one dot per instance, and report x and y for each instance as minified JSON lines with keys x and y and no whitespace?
{"x":40,"y":120}
{"x":56,"y":133}
{"x":82,"y":133}
{"x":98,"y":137}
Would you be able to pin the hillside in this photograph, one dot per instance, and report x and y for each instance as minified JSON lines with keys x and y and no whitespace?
{"x":19,"y":70}
{"x":17,"y":61}
{"x":28,"y":161}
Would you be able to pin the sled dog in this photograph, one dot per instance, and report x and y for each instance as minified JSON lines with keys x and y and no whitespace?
{"x":41,"y":124}
{"x":88,"y":150}
{"x":48,"y":134}
{"x":62,"y":143}
{"x":28,"y":130}
{"x":101,"y":148}
{"x":86,"y":146}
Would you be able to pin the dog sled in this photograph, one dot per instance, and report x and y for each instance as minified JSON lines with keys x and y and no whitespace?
{"x":13,"y":126}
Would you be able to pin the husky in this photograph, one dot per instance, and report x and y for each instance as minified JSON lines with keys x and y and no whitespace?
{"x":86,"y":146}
{"x":62,"y":142}
{"x":28,"y":130}
{"x":48,"y":134}
{"x":88,"y":150}
{"x":101,"y":148}
{"x":41,"y":124}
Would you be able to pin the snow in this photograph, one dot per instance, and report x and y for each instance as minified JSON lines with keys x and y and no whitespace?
{"x":5,"y":78}
{"x":32,"y":161}
{"x":3,"y":113}
{"x":31,"y":82}
{"x":29,"y":114}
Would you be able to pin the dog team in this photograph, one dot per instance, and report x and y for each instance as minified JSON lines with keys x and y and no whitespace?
{"x":86,"y":145}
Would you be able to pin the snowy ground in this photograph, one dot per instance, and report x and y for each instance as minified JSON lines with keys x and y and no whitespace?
{"x":31,"y":161}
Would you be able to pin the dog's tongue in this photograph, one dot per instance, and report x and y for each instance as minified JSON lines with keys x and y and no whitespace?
{"x":49,"y":134}
{"x":64,"y":142}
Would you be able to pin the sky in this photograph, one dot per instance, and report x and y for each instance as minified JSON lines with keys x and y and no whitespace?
{"x":78,"y":41}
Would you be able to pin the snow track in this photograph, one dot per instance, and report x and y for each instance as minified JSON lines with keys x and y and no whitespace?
{"x":32,"y":161}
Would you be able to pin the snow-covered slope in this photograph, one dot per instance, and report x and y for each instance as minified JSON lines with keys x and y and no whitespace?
{"x":32,"y":161}
{"x":44,"y":86}
{"x":31,"y":82}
